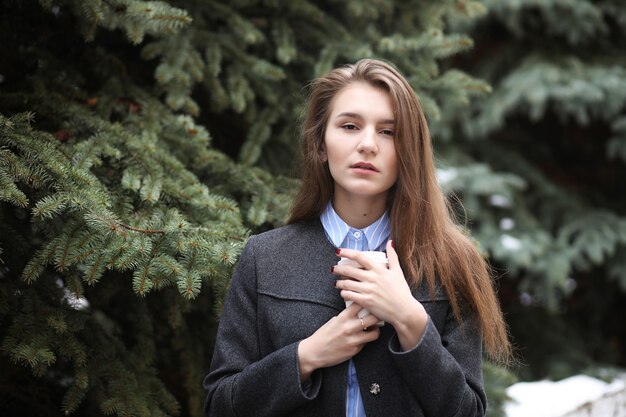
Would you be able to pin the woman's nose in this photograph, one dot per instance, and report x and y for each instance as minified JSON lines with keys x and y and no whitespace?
{"x":368,"y":142}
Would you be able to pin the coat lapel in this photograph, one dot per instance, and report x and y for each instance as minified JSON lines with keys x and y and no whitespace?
{"x":300,"y":265}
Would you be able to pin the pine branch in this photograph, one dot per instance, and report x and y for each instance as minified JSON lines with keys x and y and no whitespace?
{"x":578,"y":21}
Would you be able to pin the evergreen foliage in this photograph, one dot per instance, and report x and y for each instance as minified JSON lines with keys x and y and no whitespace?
{"x":554,"y":125}
{"x":141,"y":142}
{"x":132,"y":175}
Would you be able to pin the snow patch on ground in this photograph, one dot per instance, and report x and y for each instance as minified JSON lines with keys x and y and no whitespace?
{"x":565,"y":397}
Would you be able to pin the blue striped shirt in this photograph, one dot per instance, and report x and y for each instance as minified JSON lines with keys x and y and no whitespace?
{"x":373,"y":237}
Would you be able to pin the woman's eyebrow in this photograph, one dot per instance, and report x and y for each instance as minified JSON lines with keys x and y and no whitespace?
{"x":349,"y":114}
{"x":358,"y":116}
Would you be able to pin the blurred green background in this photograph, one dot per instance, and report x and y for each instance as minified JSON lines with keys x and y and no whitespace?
{"x":142,"y":142}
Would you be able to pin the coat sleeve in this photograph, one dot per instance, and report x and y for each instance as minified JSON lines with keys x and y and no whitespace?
{"x":444,"y":371}
{"x":241,"y":382}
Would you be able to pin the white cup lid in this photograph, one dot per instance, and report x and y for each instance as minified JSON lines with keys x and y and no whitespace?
{"x":376,"y":256}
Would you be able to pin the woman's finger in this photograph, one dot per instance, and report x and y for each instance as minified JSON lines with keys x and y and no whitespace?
{"x":350,"y":271}
{"x":370,"y":321}
{"x":392,"y":255}
{"x":357,"y":256}
{"x":350,"y":285}
{"x":351,"y":311}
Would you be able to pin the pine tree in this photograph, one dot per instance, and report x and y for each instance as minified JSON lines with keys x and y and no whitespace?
{"x":543,"y":183}
{"x":143,"y":141}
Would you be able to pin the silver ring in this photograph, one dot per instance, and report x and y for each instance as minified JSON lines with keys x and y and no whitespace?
{"x":363,"y":324}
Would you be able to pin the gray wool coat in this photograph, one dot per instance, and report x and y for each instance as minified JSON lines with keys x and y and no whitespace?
{"x":282,"y":292}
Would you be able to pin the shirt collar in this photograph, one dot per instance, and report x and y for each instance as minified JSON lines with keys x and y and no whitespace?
{"x":376,"y":233}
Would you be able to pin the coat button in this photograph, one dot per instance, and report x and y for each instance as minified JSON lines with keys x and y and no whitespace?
{"x":374,"y":389}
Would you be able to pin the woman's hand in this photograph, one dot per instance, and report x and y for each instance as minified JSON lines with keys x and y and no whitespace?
{"x":338,"y":340}
{"x":384,"y":292}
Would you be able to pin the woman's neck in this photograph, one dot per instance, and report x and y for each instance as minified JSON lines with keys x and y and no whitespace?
{"x":359,"y":212}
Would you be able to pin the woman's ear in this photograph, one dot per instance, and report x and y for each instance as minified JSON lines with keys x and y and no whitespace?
{"x":322,"y":153}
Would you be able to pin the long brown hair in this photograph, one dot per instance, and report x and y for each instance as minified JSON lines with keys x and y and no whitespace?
{"x":427,"y":239}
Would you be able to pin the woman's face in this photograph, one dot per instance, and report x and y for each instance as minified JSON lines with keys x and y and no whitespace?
{"x":359,"y":143}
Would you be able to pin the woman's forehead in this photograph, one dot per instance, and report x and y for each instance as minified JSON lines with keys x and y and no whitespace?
{"x":360,"y":100}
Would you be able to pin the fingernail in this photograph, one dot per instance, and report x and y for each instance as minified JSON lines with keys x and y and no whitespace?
{"x":332,"y":269}
{"x":393,"y":244}
{"x":335,"y":284}
{"x":338,"y":251}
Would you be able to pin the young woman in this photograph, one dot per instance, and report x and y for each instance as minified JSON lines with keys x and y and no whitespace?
{"x":286,"y":343}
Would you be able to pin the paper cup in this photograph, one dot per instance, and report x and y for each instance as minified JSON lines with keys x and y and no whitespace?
{"x":376,"y":256}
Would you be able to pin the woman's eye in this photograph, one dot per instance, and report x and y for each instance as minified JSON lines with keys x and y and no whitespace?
{"x":387,"y":132}
{"x":349,"y":127}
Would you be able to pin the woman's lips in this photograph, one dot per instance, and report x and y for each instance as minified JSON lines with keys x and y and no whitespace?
{"x":364,"y":167}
